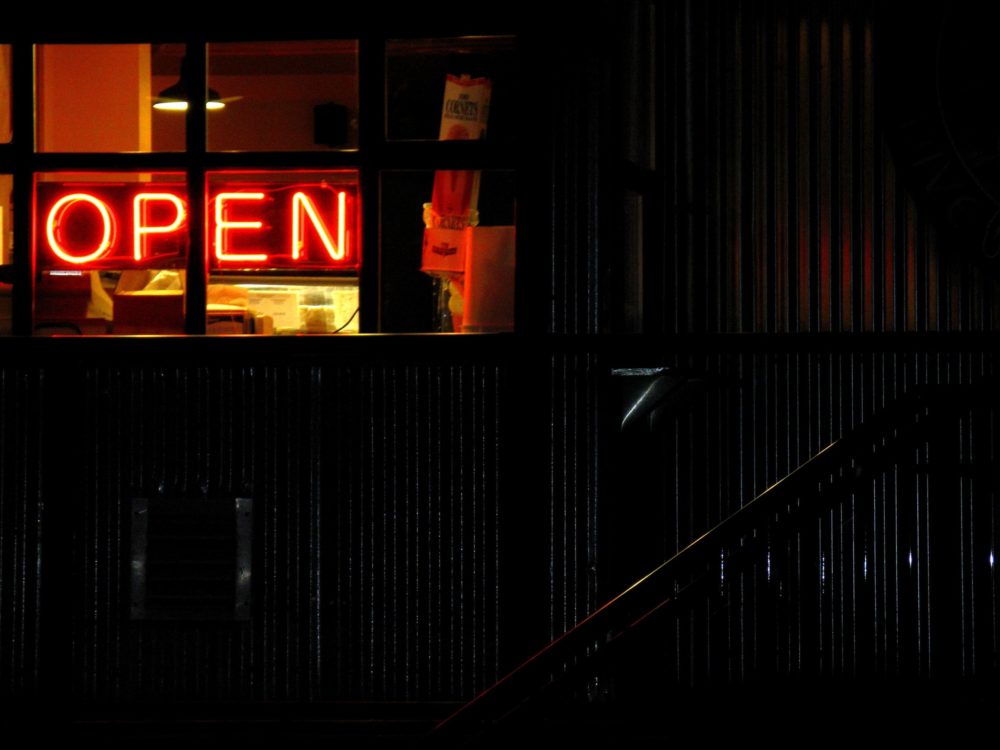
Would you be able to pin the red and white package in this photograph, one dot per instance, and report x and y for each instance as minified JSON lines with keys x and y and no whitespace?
{"x":463,"y":117}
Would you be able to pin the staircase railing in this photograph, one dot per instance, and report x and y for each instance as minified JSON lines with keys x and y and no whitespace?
{"x":814,"y":487}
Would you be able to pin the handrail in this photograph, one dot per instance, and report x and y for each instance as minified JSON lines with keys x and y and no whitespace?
{"x":830,"y":474}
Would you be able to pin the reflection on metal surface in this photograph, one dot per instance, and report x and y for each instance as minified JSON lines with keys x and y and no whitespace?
{"x":653,"y":391}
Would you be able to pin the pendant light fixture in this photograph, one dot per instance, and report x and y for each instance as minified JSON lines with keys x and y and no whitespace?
{"x":175,"y":97}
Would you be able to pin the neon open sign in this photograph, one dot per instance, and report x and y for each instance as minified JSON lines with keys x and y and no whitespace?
{"x":251,"y":224}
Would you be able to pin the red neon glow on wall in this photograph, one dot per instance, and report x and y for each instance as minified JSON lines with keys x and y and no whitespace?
{"x":252,"y":224}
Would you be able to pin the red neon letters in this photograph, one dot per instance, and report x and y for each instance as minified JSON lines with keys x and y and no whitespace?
{"x":140,"y":219}
{"x":250,"y":225}
{"x":59,"y":216}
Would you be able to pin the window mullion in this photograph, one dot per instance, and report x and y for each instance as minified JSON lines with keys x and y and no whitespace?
{"x":371,"y":140}
{"x":23,"y":143}
{"x":196,"y":289}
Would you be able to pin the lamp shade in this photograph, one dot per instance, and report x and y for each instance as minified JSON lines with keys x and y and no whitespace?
{"x":175,"y":97}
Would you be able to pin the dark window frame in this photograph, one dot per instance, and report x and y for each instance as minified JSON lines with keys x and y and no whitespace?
{"x":373,"y":156}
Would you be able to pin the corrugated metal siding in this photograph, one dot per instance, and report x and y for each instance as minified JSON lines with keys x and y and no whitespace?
{"x":382,"y":494}
{"x":566,"y":108}
{"x":413,"y":566}
{"x":898,"y":581}
{"x":192,"y":433}
{"x":376,"y":499}
{"x":20,"y":531}
{"x":573,"y":518}
{"x":774,"y":206}
{"x":767,"y":202}
{"x":773,"y":203}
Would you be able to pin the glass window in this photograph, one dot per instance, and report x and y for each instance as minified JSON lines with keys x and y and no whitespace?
{"x":6,"y":251}
{"x":110,"y":253}
{"x":447,"y":260}
{"x":632,"y":261}
{"x":102,"y":97}
{"x":283,"y":249}
{"x":443,"y":89}
{"x":284,"y":252}
{"x":5,"y":122}
{"x":6,"y":219}
{"x":284,"y":96}
{"x":639,"y":112}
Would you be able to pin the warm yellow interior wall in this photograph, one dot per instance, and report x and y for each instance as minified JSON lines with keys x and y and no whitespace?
{"x":94,"y":97}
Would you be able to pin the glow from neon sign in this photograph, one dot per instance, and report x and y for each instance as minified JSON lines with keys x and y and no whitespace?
{"x":56,"y":218}
{"x":301,"y":203}
{"x":139,"y":227}
{"x":265,"y":222}
{"x":341,"y":226}
{"x":223,"y":225}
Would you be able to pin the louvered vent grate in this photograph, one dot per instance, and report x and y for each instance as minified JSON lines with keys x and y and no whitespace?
{"x":191,"y":559}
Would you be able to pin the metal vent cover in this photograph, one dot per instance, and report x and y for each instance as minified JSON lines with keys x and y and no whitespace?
{"x":191,"y":559}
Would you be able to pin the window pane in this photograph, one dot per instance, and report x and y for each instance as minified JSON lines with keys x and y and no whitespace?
{"x":444,"y":269}
{"x":632,"y":257}
{"x":439,"y":89}
{"x":268,"y":304}
{"x":169,"y":98}
{"x":6,"y":219}
{"x":640,"y":84}
{"x":284,"y":252}
{"x":6,"y":247}
{"x":5,"y":122}
{"x":284,"y":96}
{"x":101,"y":97}
{"x":110,"y":253}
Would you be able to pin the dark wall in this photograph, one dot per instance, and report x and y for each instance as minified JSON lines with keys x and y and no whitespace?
{"x":422,"y":518}
{"x":379,"y":486}
{"x":429,"y":510}
{"x":726,"y":166}
{"x":895,"y":582}
{"x":732,"y":167}
{"x":20,"y":531}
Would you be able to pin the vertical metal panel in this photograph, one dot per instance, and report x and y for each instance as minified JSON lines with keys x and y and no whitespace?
{"x":573,"y":489}
{"x":782,"y":211}
{"x":376,"y":502}
{"x":380,"y":492}
{"x":192,"y":433}
{"x":577,"y":100}
{"x":778,"y":183}
{"x":414,"y":568}
{"x":895,"y":582}
{"x":20,"y":531}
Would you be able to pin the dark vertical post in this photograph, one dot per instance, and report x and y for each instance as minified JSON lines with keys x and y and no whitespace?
{"x":532,"y":272}
{"x":371,"y":137}
{"x":23,"y":143}
{"x":904,"y":508}
{"x":196,"y":133}
{"x":944,"y":546}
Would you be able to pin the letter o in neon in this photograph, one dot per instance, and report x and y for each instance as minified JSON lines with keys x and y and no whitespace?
{"x":56,"y":214}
